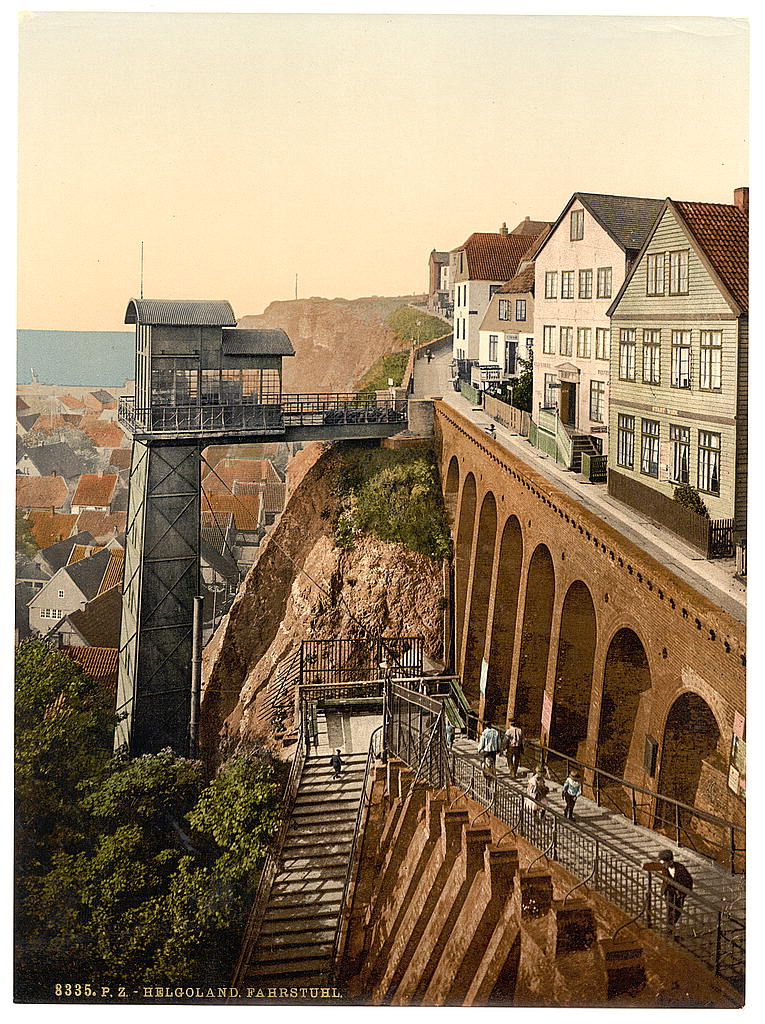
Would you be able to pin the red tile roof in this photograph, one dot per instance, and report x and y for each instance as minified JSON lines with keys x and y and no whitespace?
{"x":114,"y":571}
{"x":101,"y":663}
{"x":245,"y":508}
{"x":21,"y":405}
{"x":102,"y":526}
{"x":243,"y":470}
{"x":80,"y":551}
{"x":521,"y":283}
{"x":722,"y":233}
{"x":48,"y":423}
{"x":70,"y":401}
{"x":494,"y":257}
{"x":50,"y":527}
{"x":120,"y":458}
{"x":48,"y":492}
{"x":103,"y":433}
{"x":95,"y":489}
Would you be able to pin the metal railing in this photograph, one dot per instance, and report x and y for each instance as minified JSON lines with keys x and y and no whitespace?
{"x":644,"y":806}
{"x":354,"y":857}
{"x":349,"y":659}
{"x":713,"y":935}
{"x":271,"y":864}
{"x":342,"y":410}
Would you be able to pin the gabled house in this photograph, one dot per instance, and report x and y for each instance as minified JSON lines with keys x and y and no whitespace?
{"x":57,"y":459}
{"x":53,"y":557}
{"x":44,"y":492}
{"x":68,"y":590}
{"x":679,"y":353}
{"x":580,"y":266}
{"x":103,"y":526}
{"x":103,"y":434}
{"x":96,"y":624}
{"x":439,"y":285}
{"x":507,"y":330}
{"x":94,"y":492}
{"x":479,"y":268}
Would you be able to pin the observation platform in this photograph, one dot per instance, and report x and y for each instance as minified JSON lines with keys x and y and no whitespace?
{"x":307,"y":417}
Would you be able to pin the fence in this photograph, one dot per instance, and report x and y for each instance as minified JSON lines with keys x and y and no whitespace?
{"x":517,"y":420}
{"x":595,"y":468}
{"x":472,"y":394}
{"x":336,"y":661}
{"x":713,"y":538}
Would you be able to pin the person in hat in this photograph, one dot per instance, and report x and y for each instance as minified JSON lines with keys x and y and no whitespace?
{"x":536,"y":792}
{"x":513,"y":746}
{"x":336,"y":763}
{"x":678,"y":882}
{"x":572,"y":788}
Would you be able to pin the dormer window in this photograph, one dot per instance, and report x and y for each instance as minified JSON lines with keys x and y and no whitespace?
{"x":577,"y":225}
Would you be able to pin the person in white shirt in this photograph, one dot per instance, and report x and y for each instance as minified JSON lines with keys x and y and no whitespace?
{"x":489,"y":745}
{"x":513,"y":746}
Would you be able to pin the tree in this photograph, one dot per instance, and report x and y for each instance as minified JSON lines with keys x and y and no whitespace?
{"x":25,"y":542}
{"x":523,"y":392}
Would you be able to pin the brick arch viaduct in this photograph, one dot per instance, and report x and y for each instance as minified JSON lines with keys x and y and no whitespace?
{"x":553,"y":606}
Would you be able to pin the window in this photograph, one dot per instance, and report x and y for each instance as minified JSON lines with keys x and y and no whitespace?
{"x":649,"y":447}
{"x":210,"y":394}
{"x":566,"y":341}
{"x":625,"y":446}
{"x":604,"y":282}
{"x":710,"y":370}
{"x":655,"y":274}
{"x":680,"y":438}
{"x":597,"y":394}
{"x":51,"y":613}
{"x":567,"y":284}
{"x":551,"y":284}
{"x":548,"y":340}
{"x":550,"y":389}
{"x":520,"y":309}
{"x":602,"y":343}
{"x":651,"y":357}
{"x":504,"y":309}
{"x":60,"y":594}
{"x":681,"y":359}
{"x":577,"y":225}
{"x":493,"y":289}
{"x":709,"y":462}
{"x":627,"y":354}
{"x":173,"y":385}
{"x":585,"y":284}
{"x":493,"y":338}
{"x":678,"y":273}
{"x":583,"y":342}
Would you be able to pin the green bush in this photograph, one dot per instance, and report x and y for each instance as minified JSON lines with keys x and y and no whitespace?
{"x":690,"y":498}
{"x":393,"y":496}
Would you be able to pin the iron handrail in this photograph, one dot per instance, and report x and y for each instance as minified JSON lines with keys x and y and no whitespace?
{"x":271,"y":863}
{"x":353,"y":856}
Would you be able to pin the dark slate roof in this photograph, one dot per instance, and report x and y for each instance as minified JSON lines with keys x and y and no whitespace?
{"x":219,"y":562}
{"x":98,"y":623}
{"x":627,"y":219}
{"x":181,"y":312}
{"x":240,"y":342}
{"x":55,"y":556}
{"x":439,"y":257}
{"x":28,"y":570}
{"x":88,"y":573}
{"x":103,"y":396}
{"x":28,"y":420}
{"x":55,"y":458}
{"x":722,"y":232}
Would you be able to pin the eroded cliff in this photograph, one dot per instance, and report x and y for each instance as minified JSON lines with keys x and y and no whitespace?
{"x":303,"y":586}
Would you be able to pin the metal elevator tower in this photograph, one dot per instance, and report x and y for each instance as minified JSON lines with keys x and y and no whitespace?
{"x":199,"y":381}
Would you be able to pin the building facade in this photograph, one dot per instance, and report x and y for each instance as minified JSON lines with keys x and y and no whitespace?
{"x":679,"y":347}
{"x":506,"y":333}
{"x":579,"y":269}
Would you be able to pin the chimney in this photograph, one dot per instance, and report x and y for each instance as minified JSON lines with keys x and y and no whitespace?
{"x":741,"y":199}
{"x":503,"y":230}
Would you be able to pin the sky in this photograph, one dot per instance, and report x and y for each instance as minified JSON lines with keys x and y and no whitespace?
{"x":244,"y":149}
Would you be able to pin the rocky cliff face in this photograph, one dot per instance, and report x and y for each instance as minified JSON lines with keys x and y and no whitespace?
{"x":303,"y":587}
{"x":336,"y":340}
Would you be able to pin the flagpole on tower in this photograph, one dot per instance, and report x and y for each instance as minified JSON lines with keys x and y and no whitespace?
{"x":141,"y":269}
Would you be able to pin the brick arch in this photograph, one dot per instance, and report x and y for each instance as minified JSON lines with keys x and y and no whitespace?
{"x":508,"y":588}
{"x":462,"y":550}
{"x":573,"y":671}
{"x":535,"y":640}
{"x":691,"y":745}
{"x":626,"y":676}
{"x":452,"y":488}
{"x":475,"y":627}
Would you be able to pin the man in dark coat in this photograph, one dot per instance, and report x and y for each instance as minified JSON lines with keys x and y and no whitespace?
{"x":678,"y":882}
{"x":336,"y":763}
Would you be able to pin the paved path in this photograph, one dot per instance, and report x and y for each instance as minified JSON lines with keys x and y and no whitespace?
{"x":634,"y":843}
{"x":713,"y":579}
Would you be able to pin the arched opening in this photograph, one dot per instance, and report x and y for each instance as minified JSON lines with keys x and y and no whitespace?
{"x":689,"y":750}
{"x":451,"y":489}
{"x":626,"y":677}
{"x":535,"y":641}
{"x":573,"y":671}
{"x":462,"y":550}
{"x":475,"y":627}
{"x":504,"y":621}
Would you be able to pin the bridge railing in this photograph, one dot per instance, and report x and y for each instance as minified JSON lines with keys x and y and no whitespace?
{"x":313,"y":410}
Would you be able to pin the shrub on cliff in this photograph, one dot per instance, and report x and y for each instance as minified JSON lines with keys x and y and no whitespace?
{"x":393,"y":496}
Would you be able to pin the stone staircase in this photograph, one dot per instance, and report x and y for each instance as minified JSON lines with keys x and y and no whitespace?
{"x":581,"y":443}
{"x":296,"y":939}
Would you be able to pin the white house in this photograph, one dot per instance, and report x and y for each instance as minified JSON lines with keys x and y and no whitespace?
{"x":507,"y":331}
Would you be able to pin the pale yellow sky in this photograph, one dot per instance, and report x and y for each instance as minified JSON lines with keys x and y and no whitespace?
{"x":244,"y":149}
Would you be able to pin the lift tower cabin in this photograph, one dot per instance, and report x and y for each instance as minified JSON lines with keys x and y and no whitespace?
{"x":199,"y":381}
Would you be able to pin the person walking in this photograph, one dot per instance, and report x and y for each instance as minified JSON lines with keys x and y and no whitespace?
{"x":336,"y":763}
{"x":678,"y":883}
{"x":451,"y":731}
{"x":572,"y":789}
{"x":513,"y":746}
{"x":429,"y":354}
{"x":536,"y":792}
{"x":489,"y":745}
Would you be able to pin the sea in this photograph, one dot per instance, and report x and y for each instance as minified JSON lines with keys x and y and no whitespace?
{"x":75,"y":358}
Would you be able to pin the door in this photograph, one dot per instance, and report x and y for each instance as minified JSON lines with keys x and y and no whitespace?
{"x":568,"y":403}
